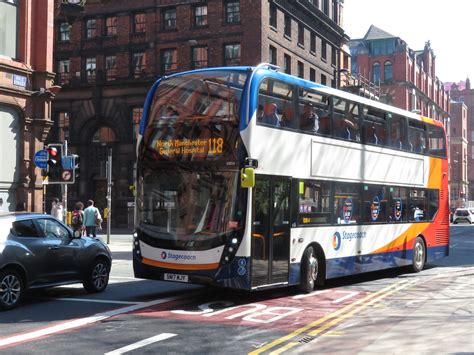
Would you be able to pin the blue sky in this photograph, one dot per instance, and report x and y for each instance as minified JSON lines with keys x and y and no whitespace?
{"x":448,"y":25}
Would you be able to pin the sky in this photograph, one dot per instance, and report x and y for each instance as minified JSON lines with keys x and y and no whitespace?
{"x":448,"y":25}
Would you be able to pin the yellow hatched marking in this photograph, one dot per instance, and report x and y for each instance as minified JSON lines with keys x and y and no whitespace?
{"x":345,"y":311}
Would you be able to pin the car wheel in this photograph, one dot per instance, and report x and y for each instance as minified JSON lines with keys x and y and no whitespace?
{"x":97,"y":278}
{"x":419,"y":253}
{"x":311,"y":270}
{"x":11,"y":289}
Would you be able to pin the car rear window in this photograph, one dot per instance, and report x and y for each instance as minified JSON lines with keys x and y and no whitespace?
{"x":25,"y":228}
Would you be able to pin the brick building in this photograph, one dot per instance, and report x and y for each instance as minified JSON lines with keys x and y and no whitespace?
{"x":407,"y":77}
{"x":462,"y":141}
{"x":109,"y":56}
{"x":26,"y":91}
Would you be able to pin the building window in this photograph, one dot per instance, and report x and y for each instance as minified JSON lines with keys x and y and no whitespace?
{"x":287,"y":30}
{"x":333,"y":55}
{"x":312,"y":74}
{"x":111,"y":26}
{"x":138,"y":64}
{"x":64,"y":32}
{"x":8,"y":28}
{"x":323,"y":79}
{"x":137,"y":113}
{"x":376,"y":72}
{"x":91,"y":30}
{"x":110,"y":67}
{"x":64,"y":72}
{"x":324,"y":50}
{"x":287,"y":64}
{"x":138,"y":23}
{"x":63,"y":124}
{"x":300,"y":70}
{"x":325,"y":8}
{"x":200,"y":15}
{"x":232,"y":54}
{"x":387,"y":71}
{"x":301,"y":34}
{"x":312,"y":45}
{"x":169,"y":19}
{"x":199,"y":57}
{"x":169,"y":60}
{"x":272,"y":55}
{"x":232,"y":11}
{"x":273,"y":15}
{"x":90,"y":69}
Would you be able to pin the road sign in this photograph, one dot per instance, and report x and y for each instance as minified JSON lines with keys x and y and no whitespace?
{"x":41,"y":159}
{"x":66,"y":175}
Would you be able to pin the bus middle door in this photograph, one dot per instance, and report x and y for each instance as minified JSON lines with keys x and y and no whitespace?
{"x":270,"y":230}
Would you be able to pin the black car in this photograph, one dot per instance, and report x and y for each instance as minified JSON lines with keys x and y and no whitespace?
{"x":37,"y":250}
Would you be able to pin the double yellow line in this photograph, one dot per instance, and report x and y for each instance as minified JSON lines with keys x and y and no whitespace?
{"x":322,"y":324}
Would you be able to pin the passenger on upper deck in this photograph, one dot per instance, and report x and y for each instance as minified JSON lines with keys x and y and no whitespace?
{"x":270,"y":116}
{"x":288,"y":118}
{"x":309,"y":120}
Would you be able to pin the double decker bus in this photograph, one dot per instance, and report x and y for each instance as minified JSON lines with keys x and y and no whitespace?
{"x":249,"y":178}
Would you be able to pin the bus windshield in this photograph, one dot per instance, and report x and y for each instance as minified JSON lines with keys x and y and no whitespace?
{"x":189,"y":209}
{"x":195,"y":117}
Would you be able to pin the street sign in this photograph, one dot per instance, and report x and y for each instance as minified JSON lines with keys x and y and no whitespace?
{"x":41,"y":159}
{"x":66,"y":175}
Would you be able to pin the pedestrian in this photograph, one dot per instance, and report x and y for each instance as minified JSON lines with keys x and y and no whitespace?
{"x":77,"y":220}
{"x":57,"y":209}
{"x":92,"y":219}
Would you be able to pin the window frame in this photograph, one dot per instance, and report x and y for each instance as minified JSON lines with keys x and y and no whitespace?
{"x":170,"y":23}
{"x":139,"y":22}
{"x":232,"y":61}
{"x":200,"y":19}
{"x":231,"y":15}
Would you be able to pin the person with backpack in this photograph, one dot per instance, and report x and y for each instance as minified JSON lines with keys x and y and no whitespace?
{"x":92,"y":219}
{"x":77,"y":220}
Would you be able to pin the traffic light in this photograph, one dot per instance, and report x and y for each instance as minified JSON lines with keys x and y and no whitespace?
{"x":76,"y":169}
{"x":54,"y":168}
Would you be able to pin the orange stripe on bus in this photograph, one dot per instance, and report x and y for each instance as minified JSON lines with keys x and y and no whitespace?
{"x":180,"y":266}
{"x":411,"y":233}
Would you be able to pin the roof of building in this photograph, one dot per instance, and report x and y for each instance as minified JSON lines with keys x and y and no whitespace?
{"x":376,"y":33}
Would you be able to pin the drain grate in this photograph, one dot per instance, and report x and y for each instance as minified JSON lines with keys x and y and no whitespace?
{"x":306,"y":339}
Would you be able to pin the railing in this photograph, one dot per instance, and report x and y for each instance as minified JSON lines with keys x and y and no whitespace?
{"x":360,"y":85}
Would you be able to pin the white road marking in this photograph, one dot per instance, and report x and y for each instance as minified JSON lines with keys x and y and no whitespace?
{"x":81,"y":322}
{"x":142,"y":343}
{"x":93,"y":300}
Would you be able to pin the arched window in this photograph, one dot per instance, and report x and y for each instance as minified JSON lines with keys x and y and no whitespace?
{"x":387,"y":71}
{"x":104,"y":135}
{"x":376,"y":72}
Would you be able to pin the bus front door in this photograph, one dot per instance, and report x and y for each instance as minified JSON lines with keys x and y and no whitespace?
{"x":270,"y":230}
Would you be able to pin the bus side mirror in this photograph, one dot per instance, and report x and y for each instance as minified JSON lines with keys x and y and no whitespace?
{"x":247,"y":177}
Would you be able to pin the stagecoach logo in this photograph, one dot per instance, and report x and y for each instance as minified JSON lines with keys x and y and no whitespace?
{"x":336,"y":241}
{"x":177,"y":257}
{"x":398,"y":209}
{"x":375,"y":208}
{"x":163,"y":254}
{"x":347,"y":210}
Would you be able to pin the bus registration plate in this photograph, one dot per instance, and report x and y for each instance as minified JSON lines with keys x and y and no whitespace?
{"x":176,"y":277}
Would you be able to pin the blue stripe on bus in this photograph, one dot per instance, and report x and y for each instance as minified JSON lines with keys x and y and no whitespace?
{"x":366,"y":263}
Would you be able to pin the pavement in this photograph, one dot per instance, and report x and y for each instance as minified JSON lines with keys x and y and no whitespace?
{"x":118,"y":240}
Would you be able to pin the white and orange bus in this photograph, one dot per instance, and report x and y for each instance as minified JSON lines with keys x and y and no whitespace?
{"x":250,"y":178}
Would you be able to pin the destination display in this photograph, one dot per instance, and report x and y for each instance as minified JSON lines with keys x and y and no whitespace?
{"x":212,"y":146}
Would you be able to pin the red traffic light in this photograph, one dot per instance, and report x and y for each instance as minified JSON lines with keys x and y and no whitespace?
{"x":52,"y":151}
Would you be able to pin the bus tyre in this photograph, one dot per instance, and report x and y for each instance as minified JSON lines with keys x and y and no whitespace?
{"x":11,"y":289}
{"x":97,"y":278}
{"x":309,"y":270}
{"x":419,"y":255}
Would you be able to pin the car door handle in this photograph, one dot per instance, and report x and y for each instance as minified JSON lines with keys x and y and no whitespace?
{"x":54,"y":247}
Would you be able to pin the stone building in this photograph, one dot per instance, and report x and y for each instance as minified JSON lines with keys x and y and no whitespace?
{"x":26,"y":91}
{"x":108,"y":57}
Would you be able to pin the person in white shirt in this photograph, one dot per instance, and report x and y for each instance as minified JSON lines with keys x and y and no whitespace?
{"x":57,"y":209}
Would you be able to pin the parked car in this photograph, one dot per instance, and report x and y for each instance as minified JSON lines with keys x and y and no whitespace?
{"x":37,"y":251}
{"x":463,"y":215}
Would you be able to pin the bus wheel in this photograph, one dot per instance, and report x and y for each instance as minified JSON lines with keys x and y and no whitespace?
{"x":309,"y":270}
{"x":419,"y":253}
